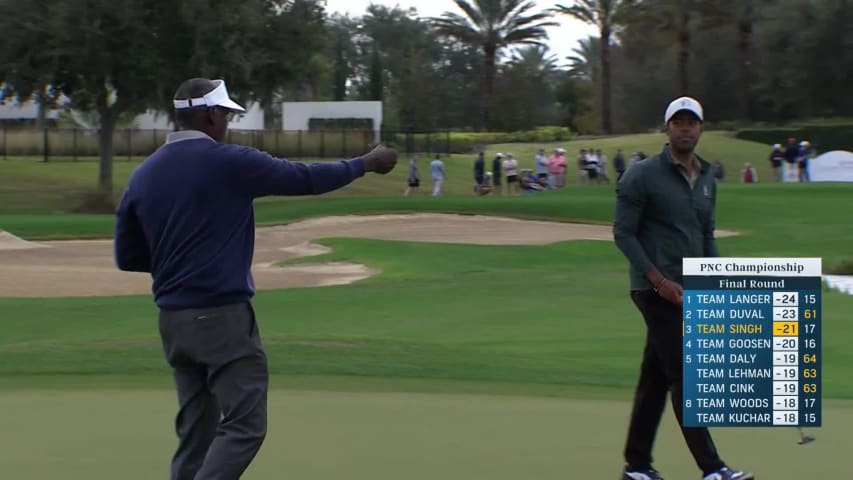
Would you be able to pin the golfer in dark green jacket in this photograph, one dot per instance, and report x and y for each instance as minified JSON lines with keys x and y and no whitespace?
{"x":665,"y":212}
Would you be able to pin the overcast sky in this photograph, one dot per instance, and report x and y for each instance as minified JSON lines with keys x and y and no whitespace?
{"x":561,"y":40}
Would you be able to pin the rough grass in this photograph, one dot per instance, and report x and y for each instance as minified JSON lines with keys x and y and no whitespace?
{"x":28,"y":185}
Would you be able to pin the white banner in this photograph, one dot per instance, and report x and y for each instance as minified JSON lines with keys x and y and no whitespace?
{"x":752,"y":267}
{"x":835,"y":166}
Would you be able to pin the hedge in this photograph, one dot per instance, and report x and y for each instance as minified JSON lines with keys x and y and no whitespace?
{"x":127,"y":142}
{"x":316,"y":124}
{"x":469,"y":142}
{"x":823,"y":137}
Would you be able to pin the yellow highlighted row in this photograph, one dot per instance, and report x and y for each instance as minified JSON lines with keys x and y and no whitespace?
{"x":785,"y":329}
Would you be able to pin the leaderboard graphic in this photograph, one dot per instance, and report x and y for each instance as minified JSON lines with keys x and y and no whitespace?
{"x":752,"y":342}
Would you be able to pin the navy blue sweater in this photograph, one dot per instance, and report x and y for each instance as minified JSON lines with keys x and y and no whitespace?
{"x":187,"y":215}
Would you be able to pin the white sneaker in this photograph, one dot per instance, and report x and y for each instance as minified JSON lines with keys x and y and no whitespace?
{"x":726,"y":473}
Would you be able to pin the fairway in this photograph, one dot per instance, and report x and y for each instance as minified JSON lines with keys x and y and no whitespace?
{"x":322,"y":434}
{"x":426,"y":240}
{"x":471,"y":352}
{"x":30,"y":186}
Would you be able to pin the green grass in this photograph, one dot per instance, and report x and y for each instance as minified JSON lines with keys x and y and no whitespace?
{"x":29,"y":186}
{"x":784,"y":220}
{"x":318,"y":435}
{"x":732,"y":152}
{"x":555,"y":315}
{"x":537,"y":315}
{"x":439,"y":367}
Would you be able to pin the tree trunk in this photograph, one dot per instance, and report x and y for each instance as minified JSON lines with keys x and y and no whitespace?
{"x":105,"y":148}
{"x":340,"y":72}
{"x":41,"y":111}
{"x":107,"y":117}
{"x":745,"y":50}
{"x":489,"y":80}
{"x":606,"y":119}
{"x":684,"y":54}
{"x":376,"y":73}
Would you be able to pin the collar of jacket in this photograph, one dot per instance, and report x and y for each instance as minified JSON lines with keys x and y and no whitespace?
{"x":667,"y":157}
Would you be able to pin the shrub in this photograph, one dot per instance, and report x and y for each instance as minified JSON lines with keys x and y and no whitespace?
{"x":844,"y":267}
{"x":315,"y":124}
{"x":469,"y":142}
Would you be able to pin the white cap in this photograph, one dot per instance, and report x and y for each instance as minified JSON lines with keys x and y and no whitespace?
{"x":218,"y":97}
{"x":683,"y":103}
{"x":499,"y":154}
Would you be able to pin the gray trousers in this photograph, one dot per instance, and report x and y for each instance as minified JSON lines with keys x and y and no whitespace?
{"x":221,"y":375}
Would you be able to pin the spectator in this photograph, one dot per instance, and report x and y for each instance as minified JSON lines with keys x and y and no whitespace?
{"x":541,"y":165}
{"x":496,"y":171}
{"x":602,"y":166}
{"x":583,"y":160}
{"x":479,"y":171}
{"x":619,"y":164}
{"x":414,"y":180}
{"x":557,"y":168}
{"x":531,"y":183}
{"x":510,"y":166}
{"x":486,"y":188}
{"x":750,"y":175}
{"x":777,"y":157}
{"x":436,"y":168}
{"x":792,"y":151}
{"x":719,"y":171}
{"x":803,"y":161}
{"x":591,"y":166}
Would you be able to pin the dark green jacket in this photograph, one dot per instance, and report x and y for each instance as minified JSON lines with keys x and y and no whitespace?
{"x":660,"y":219}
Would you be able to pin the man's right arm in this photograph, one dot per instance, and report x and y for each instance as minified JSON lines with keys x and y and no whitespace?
{"x":261,"y":174}
{"x":631,"y":201}
{"x":130,"y":248}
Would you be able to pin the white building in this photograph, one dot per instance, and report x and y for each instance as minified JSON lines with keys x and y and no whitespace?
{"x":12,"y":110}
{"x":253,"y":119}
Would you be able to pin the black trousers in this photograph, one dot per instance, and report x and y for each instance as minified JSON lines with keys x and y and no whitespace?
{"x":661,"y":372}
{"x":221,"y":375}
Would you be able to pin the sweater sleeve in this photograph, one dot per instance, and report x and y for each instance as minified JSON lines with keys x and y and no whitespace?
{"x":631,"y":198}
{"x":710,"y":243}
{"x":260,"y":174}
{"x":131,"y":249}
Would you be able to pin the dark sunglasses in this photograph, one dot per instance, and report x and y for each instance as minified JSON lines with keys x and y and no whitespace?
{"x":229,"y":114}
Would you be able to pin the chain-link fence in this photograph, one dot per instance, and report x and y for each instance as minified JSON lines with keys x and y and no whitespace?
{"x":61,"y":144}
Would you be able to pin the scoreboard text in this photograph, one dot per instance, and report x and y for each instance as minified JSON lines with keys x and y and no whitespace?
{"x":752,"y":342}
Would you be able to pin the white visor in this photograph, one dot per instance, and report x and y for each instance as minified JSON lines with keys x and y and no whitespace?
{"x":218,"y":97}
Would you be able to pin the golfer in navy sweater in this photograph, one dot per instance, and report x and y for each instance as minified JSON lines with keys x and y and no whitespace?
{"x":187,"y":218}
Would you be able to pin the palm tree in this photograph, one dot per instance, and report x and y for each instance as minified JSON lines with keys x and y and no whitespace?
{"x":604,"y":15}
{"x":670,"y":16}
{"x":744,"y":14}
{"x":535,"y":61}
{"x":492,"y":25}
{"x":586,"y":63}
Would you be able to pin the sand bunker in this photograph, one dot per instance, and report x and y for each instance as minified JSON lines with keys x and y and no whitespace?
{"x":11,"y":242}
{"x":86,"y":268}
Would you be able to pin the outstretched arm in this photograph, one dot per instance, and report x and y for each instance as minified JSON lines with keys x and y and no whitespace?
{"x":261,"y":174}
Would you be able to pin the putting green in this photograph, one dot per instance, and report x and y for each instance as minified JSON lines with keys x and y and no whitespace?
{"x":107,"y":434}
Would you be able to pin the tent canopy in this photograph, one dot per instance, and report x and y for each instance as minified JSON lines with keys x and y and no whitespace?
{"x":834,"y":166}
